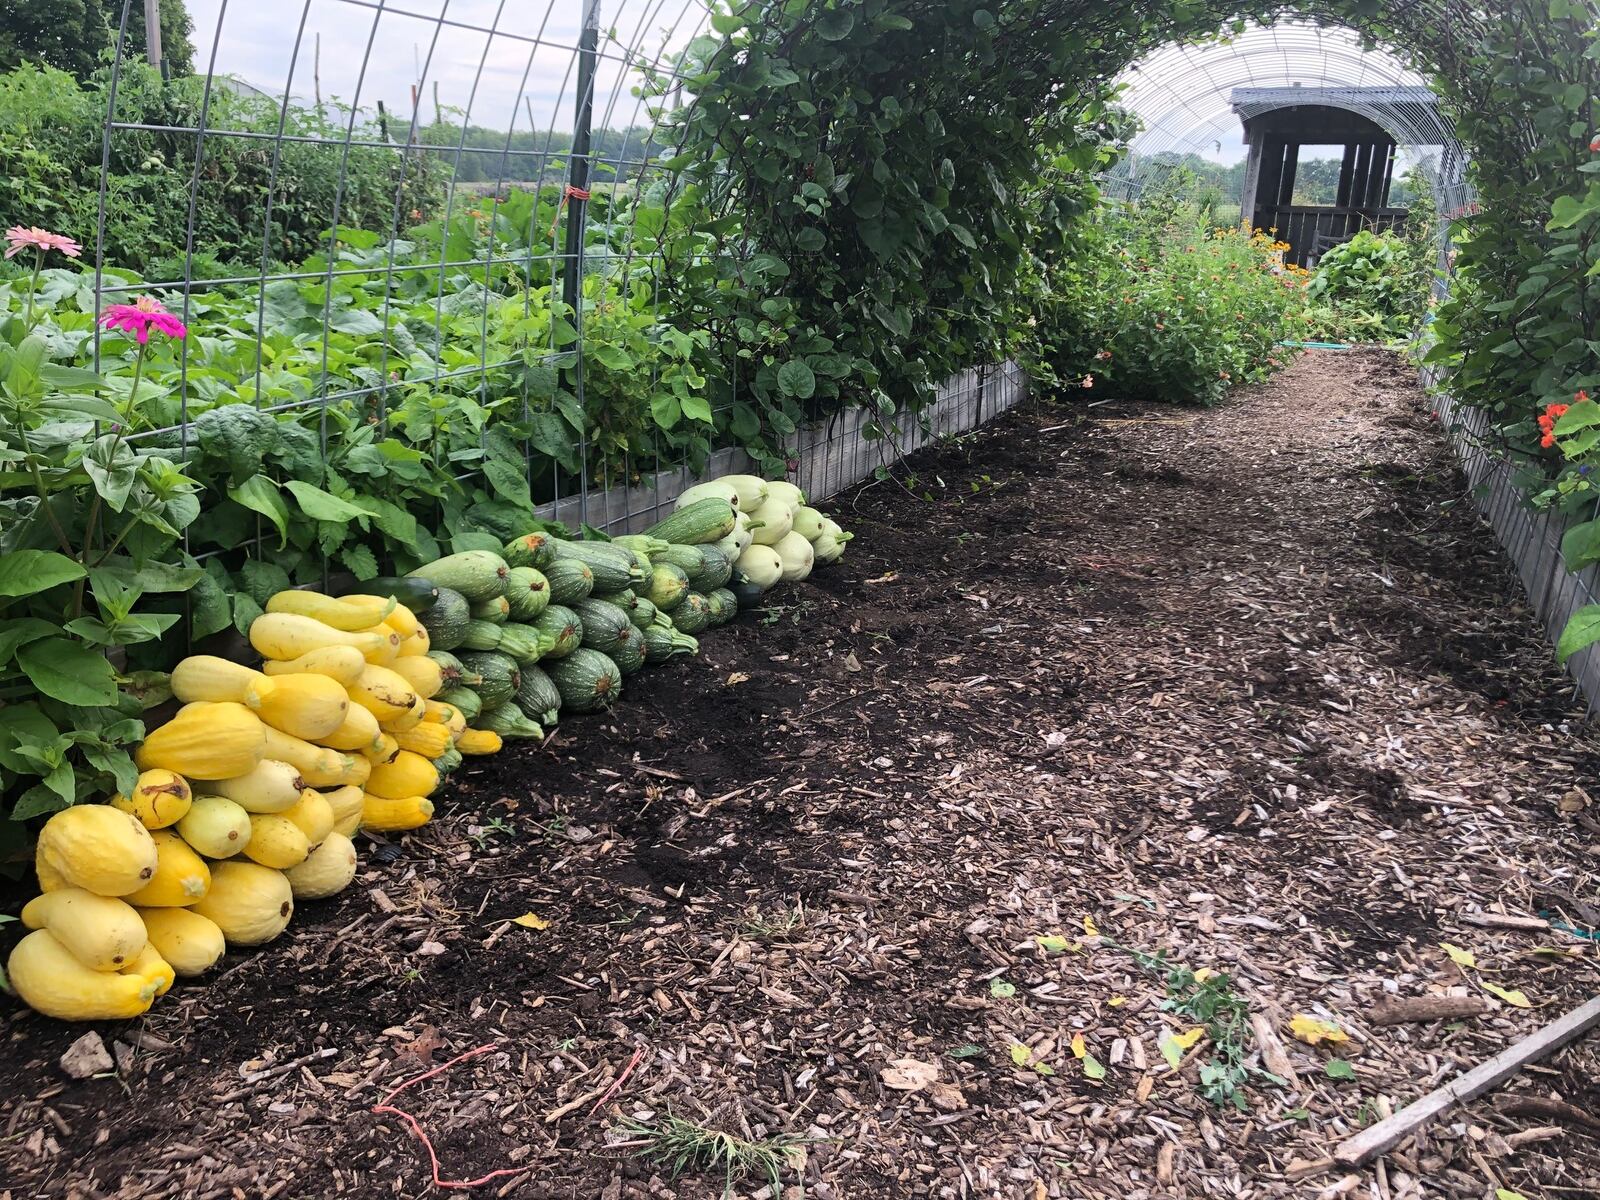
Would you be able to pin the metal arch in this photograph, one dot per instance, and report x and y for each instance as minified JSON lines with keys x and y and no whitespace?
{"x":1183,"y":94}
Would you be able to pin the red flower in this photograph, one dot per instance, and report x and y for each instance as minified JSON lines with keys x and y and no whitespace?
{"x":1548,"y":440}
{"x":1580,"y":397}
{"x":1594,"y":146}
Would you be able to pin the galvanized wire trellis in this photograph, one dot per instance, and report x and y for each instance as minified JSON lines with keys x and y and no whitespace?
{"x":559,"y":88}
{"x":542,"y":98}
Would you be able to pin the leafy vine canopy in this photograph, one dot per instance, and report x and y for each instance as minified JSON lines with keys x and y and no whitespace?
{"x":868,"y":195}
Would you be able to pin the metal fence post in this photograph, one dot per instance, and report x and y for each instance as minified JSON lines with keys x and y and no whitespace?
{"x":576,"y":198}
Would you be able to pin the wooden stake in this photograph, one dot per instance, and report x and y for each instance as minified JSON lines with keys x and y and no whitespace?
{"x":1402,"y":1010}
{"x":1388,"y":1133}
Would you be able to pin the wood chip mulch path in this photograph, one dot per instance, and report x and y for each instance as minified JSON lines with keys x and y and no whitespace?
{"x":1097,"y":693}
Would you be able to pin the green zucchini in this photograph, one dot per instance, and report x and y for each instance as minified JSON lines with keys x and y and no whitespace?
{"x":523,"y":643}
{"x":603,"y":624}
{"x":509,"y":722}
{"x":693,"y":615}
{"x":628,"y":650}
{"x":643,"y":613}
{"x":715,"y":569}
{"x":455,"y":675}
{"x":527,"y":591}
{"x":538,"y":697}
{"x":416,"y":594}
{"x":587,"y":680}
{"x":563,"y":629}
{"x":496,"y":610}
{"x":626,"y":600}
{"x":640,"y":544}
{"x":448,"y":761}
{"x":446,"y":622}
{"x":661,"y":644}
{"x":685,"y":558}
{"x":746,"y":593}
{"x":531,"y":550}
{"x":695,"y":524}
{"x":570,"y":581}
{"x":476,"y":574}
{"x":500,"y":676}
{"x":724,"y":607}
{"x":613,"y":567}
{"x":464,"y":698}
{"x":668,"y":586}
{"x":481,"y":635}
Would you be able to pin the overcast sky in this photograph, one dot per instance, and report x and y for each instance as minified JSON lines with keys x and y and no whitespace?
{"x":375,"y":50}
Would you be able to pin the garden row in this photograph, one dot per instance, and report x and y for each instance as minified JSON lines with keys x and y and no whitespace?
{"x":352,"y":712}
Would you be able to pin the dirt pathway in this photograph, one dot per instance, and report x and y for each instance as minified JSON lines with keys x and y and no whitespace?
{"x":1247,"y":688}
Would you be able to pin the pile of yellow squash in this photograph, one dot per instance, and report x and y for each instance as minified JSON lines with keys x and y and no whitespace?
{"x":247,"y":801}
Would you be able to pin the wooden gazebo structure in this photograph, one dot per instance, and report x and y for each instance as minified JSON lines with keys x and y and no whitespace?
{"x":1370,"y":123}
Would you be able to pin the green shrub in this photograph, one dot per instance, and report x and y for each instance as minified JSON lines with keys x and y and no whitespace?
{"x":1373,"y":287}
{"x":1155,"y":305}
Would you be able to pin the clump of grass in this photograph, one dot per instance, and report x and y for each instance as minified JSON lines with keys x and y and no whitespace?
{"x":677,"y":1144}
{"x":777,"y":923}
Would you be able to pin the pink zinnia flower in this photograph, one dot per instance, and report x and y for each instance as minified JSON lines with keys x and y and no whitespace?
{"x":138,"y":317}
{"x":40,"y":239}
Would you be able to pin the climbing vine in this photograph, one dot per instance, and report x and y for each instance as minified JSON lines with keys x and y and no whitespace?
{"x":882,"y":179}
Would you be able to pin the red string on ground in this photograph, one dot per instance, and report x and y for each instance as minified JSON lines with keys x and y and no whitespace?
{"x":383,"y":1106}
{"x":619,"y":1081}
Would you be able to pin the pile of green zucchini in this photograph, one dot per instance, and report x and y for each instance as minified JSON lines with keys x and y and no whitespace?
{"x":552,"y":625}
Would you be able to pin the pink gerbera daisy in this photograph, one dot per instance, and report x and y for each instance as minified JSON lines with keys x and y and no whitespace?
{"x":139,"y":317}
{"x":21,"y":239}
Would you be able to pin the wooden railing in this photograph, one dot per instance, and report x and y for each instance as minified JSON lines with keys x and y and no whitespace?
{"x":1312,"y":229}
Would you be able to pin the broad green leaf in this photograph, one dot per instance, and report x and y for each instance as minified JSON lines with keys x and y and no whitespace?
{"x":259,"y":494}
{"x":797,"y":380}
{"x":1337,"y":1068}
{"x":1002,"y":989}
{"x":1582,"y":631}
{"x":69,"y":672}
{"x":28,"y":572}
{"x":323,"y":506}
{"x":19,"y":633}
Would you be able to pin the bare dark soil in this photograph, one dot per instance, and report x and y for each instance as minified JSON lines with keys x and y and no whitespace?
{"x":1249,"y":686}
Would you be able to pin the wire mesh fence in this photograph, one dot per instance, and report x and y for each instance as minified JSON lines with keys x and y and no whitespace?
{"x":1530,"y":537}
{"x":419,"y":245}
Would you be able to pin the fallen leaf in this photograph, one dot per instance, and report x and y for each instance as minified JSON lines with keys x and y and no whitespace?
{"x":909,"y":1074}
{"x":947,"y":1097}
{"x":531,"y":920}
{"x":738,"y":677}
{"x":1078,"y":1048}
{"x":1023,"y":1057}
{"x":851,"y":662}
{"x":970,"y":1050}
{"x":1461,"y":958}
{"x":1116,"y":1001}
{"x":1054,"y":943}
{"x":1089,"y":929}
{"x":1313,"y":1031}
{"x":1092,"y":1068}
{"x":1512,"y":997}
{"x":1174,"y":1046}
{"x":1002,"y":989}
{"x":1337,"y":1068}
{"x":1203,"y":974}
{"x":1507,"y":1194}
